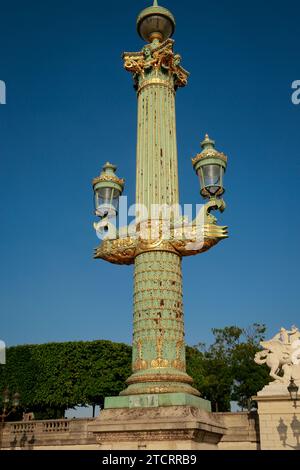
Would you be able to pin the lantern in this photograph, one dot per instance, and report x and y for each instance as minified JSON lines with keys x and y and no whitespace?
{"x":155,"y":22}
{"x":107,"y":190}
{"x":293,"y":390}
{"x":210,"y":166}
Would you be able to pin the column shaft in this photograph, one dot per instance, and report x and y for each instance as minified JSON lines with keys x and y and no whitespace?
{"x":158,"y":337}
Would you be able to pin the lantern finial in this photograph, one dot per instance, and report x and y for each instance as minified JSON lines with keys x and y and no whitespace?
{"x":207,"y":142}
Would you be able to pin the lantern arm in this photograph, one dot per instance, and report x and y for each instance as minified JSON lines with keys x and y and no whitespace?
{"x":116,"y":246}
{"x":184,"y":239}
{"x":203,"y":233}
{"x":117,"y":251}
{"x":215,"y":204}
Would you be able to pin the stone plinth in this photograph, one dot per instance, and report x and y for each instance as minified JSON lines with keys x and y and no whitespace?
{"x":157,"y":428}
{"x":279,"y":418}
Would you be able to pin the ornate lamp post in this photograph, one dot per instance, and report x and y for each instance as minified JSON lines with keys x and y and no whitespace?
{"x":158,"y":362}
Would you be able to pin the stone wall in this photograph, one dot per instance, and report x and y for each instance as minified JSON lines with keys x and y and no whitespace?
{"x":279,"y":419}
{"x":73,"y":434}
{"x":242,"y":431}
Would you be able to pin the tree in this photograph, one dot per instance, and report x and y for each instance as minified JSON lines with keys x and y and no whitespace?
{"x":195,"y":366}
{"x":248,"y":377}
{"x":227,"y":368}
{"x":56,"y":376}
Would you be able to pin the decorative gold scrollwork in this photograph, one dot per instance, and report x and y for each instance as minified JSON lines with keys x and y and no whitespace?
{"x":178,"y":363}
{"x":159,"y":362}
{"x":184,"y":241}
{"x":156,"y":58}
{"x":140,"y":363}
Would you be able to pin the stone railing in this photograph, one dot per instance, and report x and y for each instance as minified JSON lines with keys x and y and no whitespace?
{"x":18,"y":428}
{"x":67,"y":434}
{"x":58,"y":433}
{"x":56,"y":426}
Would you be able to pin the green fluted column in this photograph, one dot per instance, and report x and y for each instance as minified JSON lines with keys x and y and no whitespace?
{"x":158,"y":338}
{"x":156,"y":169}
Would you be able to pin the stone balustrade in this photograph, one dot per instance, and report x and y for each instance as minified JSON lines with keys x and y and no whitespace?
{"x":48,"y":434}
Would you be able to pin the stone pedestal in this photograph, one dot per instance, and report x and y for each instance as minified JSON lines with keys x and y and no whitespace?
{"x":157,"y":428}
{"x":279,"y":418}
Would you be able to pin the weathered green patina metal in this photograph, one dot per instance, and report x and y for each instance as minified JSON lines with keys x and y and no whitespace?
{"x":158,"y":362}
{"x":157,"y":399}
{"x":158,"y":338}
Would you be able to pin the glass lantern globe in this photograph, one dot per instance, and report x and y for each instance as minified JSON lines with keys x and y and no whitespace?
{"x":155,"y":22}
{"x":210,"y":166}
{"x":107,"y":201}
{"x":107,"y":190}
{"x":211,"y":179}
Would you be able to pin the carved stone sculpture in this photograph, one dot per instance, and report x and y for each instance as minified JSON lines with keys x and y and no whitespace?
{"x":282,"y":356}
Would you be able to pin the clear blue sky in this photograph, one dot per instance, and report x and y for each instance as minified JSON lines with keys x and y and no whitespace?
{"x":71,"y":106}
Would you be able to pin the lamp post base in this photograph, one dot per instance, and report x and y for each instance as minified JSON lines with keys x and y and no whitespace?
{"x":157,"y":428}
{"x":171,"y":381}
{"x":156,"y":400}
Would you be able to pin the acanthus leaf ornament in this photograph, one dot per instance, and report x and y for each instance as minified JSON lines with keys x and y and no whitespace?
{"x":160,"y":58}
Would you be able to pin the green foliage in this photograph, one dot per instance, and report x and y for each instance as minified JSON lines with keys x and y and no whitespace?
{"x":248,"y":377}
{"x":56,"y":376}
{"x":226,"y":370}
{"x":195,"y":366}
{"x":205,"y":368}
